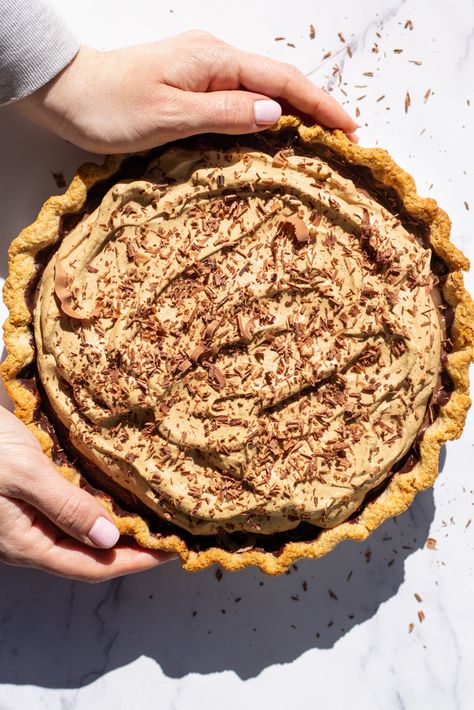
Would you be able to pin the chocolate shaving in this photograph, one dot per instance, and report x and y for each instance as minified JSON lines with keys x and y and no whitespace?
{"x":247,"y":329}
{"x":297,"y":228}
{"x":217,"y":376}
{"x":280,"y":159}
{"x":184,"y":366}
{"x":202,"y":352}
{"x":365,"y":222}
{"x":407,"y":102}
{"x":211,"y":329}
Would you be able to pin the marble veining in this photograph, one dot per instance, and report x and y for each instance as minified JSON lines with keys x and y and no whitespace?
{"x":334,"y":631}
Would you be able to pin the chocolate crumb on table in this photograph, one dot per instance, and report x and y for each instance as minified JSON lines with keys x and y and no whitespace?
{"x":407,"y":101}
{"x":59,"y":179}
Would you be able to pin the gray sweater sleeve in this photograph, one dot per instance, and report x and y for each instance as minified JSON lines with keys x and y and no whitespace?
{"x":35,"y":44}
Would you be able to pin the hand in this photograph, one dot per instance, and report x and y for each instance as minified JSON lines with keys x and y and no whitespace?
{"x":137,"y":97}
{"x":49,"y":523}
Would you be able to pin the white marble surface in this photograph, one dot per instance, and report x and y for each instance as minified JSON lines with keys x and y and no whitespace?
{"x":171,"y":639}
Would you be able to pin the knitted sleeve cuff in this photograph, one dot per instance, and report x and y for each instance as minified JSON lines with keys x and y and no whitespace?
{"x":35,"y":45}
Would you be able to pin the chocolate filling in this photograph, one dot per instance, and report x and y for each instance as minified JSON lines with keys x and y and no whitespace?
{"x":133,"y":167}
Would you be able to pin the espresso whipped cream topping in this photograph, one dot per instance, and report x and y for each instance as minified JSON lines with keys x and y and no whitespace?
{"x":243,"y":341}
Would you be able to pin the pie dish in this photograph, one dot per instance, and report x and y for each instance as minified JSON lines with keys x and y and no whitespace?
{"x":248,"y":348}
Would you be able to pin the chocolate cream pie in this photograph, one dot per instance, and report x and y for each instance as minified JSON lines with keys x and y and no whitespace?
{"x":249,"y":348}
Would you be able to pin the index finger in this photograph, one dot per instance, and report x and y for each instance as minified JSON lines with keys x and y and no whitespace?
{"x":279,"y":80}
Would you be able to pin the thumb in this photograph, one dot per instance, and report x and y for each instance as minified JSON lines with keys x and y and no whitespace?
{"x":231,"y":112}
{"x":72,"y":509}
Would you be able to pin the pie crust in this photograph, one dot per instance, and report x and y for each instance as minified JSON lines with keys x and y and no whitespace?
{"x":26,"y":250}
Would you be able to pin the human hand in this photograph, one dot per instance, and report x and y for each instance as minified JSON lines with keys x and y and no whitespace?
{"x":137,"y":97}
{"x":48,"y":523}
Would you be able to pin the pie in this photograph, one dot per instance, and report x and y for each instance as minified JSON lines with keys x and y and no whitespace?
{"x":249,"y":348}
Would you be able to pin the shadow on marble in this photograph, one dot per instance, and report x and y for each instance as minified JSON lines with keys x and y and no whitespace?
{"x":63,"y":634}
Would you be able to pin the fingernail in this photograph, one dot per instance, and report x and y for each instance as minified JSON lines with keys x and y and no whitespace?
{"x":104,"y":533}
{"x":266,"y":112}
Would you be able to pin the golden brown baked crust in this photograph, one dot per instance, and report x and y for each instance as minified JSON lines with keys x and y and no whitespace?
{"x":402,"y":487}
